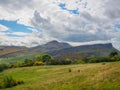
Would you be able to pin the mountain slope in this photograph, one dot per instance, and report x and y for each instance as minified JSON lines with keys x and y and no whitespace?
{"x":50,"y":46}
{"x":86,"y":50}
{"x":59,"y":49}
{"x":6,"y":51}
{"x":12,"y":50}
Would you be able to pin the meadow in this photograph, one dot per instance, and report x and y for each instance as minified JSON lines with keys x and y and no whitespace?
{"x":20,"y":57}
{"x":97,"y":76}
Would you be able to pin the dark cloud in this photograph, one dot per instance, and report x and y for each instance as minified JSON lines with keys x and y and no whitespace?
{"x":38,"y":20}
{"x":83,"y":28}
{"x":112,"y":9}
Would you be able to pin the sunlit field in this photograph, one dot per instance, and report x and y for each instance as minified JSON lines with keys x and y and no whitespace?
{"x":98,"y":76}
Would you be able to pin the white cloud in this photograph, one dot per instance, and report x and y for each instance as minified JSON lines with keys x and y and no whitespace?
{"x":94,"y":23}
{"x":3,"y":28}
{"x":88,"y":43}
{"x":18,"y":34}
{"x":116,"y":43}
{"x":112,"y":9}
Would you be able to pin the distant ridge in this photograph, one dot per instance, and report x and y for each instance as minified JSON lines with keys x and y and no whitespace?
{"x":6,"y":50}
{"x":84,"y":51}
{"x":57,"y":49}
{"x":50,"y":46}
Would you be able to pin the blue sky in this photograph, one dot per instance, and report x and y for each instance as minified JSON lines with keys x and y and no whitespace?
{"x":77,"y":22}
{"x":15,"y":27}
{"x":63,"y":6}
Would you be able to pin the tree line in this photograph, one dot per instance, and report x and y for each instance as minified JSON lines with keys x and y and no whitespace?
{"x":45,"y":59}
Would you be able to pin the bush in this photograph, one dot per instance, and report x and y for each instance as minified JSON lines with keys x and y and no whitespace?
{"x":99,"y":59}
{"x":38,"y":57}
{"x":92,"y":60}
{"x":61,"y":62}
{"x":8,"y":81}
{"x":28,"y":62}
{"x":79,"y":70}
{"x":103,"y":63}
{"x":16,"y":64}
{"x":3,"y":67}
{"x":39,"y":63}
{"x":115,"y":58}
{"x":80,"y":62}
{"x":69,"y":70}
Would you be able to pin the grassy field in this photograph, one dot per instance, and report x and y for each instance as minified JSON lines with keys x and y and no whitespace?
{"x":82,"y":77}
{"x":17,"y":58}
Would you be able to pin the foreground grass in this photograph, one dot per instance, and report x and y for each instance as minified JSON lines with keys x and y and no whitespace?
{"x":90,"y":77}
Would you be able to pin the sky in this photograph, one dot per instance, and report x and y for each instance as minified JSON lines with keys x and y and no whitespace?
{"x":78,"y":22}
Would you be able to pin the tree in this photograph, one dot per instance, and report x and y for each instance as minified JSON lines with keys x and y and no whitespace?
{"x":38,"y":57}
{"x":47,"y":58}
{"x":92,"y":60}
{"x":115,"y":58}
{"x":113,"y":53}
{"x":28,"y":62}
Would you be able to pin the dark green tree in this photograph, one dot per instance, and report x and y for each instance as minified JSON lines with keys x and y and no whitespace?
{"x":113,"y":53}
{"x":47,"y":59}
{"x":28,"y":62}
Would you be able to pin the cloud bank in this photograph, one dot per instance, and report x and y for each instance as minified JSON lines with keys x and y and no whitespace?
{"x":73,"y":21}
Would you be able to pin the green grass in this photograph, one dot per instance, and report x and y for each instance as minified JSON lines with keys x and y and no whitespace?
{"x":17,"y":58}
{"x":91,"y":77}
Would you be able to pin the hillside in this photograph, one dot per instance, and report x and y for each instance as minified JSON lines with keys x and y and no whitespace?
{"x":50,"y":46}
{"x":10,"y":51}
{"x":84,"y":51}
{"x":91,"y":77}
{"x":59,"y":49}
{"x":6,"y":51}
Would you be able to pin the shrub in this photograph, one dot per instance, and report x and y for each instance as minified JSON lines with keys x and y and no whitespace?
{"x":16,"y":64}
{"x":11,"y":66}
{"x":79,"y":70}
{"x":103,"y":63}
{"x":92,"y":60}
{"x":80,"y":62}
{"x":28,"y":62}
{"x":38,"y":58}
{"x":99,"y":59}
{"x":8,"y":81}
{"x":115,"y":58}
{"x":3,"y":67}
{"x":61,"y":62}
{"x":39,"y":63}
{"x":69,"y":70}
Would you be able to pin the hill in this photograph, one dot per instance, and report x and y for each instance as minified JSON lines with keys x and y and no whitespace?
{"x":6,"y":51}
{"x":82,"y":77}
{"x":10,"y":51}
{"x":59,"y":50}
{"x":80,"y":52}
{"x":50,"y":46}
